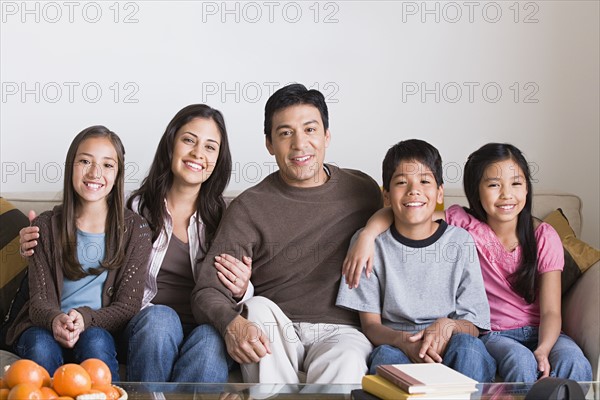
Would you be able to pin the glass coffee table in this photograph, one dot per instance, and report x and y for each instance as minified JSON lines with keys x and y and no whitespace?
{"x":242,"y":391}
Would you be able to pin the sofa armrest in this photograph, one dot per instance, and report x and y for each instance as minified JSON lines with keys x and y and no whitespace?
{"x":580,"y":316}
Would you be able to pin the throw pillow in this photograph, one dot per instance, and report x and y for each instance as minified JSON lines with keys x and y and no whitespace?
{"x":14,"y":288}
{"x":579,"y":256}
{"x":13,"y":265}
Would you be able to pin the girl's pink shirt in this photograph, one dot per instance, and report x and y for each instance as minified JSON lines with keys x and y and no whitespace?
{"x":508,"y":310}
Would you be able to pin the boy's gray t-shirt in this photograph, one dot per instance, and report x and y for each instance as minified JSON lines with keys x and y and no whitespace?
{"x":416,"y":282}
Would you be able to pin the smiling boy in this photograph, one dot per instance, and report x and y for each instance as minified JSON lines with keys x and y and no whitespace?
{"x":425,"y":301}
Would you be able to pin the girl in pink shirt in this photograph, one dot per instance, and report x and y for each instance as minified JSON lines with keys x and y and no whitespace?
{"x":521,"y":264}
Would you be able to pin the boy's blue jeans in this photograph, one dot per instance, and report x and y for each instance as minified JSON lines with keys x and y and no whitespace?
{"x":465,"y":354}
{"x":39,"y":345}
{"x":162,"y":349}
{"x":513,"y":352}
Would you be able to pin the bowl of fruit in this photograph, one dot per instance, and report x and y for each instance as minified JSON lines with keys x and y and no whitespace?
{"x":90,"y":380}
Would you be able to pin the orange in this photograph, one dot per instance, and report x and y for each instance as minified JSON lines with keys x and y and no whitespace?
{"x":112,"y":393}
{"x":4,"y":393}
{"x":71,"y":380}
{"x":48,"y":393}
{"x":3,"y":384}
{"x":24,"y":371}
{"x":46,"y":382}
{"x":25,"y":391}
{"x":98,"y":370}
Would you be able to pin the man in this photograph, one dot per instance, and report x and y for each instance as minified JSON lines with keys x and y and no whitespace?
{"x":296,"y":226}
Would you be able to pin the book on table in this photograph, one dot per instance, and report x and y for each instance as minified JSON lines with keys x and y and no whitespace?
{"x":418,"y":381}
{"x":386,"y":390}
{"x":426,"y":378}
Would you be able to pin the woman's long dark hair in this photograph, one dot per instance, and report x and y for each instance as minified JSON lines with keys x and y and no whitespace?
{"x":114,"y":227}
{"x":524,"y":279}
{"x":153,"y":191}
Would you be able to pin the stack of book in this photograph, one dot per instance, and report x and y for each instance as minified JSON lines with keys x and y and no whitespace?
{"x":418,"y":381}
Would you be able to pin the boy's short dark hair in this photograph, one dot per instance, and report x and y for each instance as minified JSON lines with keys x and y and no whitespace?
{"x":292,"y":95}
{"x":412,"y":149}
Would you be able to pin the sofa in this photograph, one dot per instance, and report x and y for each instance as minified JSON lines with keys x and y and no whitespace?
{"x":580,"y":304}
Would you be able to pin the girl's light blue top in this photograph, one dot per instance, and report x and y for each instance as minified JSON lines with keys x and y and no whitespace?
{"x":88,"y":290}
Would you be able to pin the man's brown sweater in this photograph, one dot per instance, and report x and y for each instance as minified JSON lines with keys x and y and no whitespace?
{"x":297,"y":239}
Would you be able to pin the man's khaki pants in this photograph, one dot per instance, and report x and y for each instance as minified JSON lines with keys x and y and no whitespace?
{"x":305,"y":352}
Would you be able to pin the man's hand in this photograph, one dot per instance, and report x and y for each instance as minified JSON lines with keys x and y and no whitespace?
{"x":246,"y":342}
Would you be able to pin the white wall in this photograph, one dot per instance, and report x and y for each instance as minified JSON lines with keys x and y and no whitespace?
{"x":378,"y":64}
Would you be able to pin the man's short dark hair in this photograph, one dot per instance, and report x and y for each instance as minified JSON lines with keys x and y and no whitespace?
{"x":292,"y":95}
{"x":412,"y":150}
